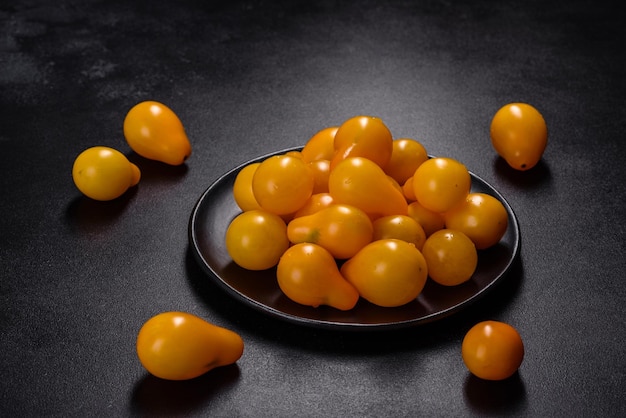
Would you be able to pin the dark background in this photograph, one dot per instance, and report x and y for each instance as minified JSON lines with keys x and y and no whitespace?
{"x":79,"y":278}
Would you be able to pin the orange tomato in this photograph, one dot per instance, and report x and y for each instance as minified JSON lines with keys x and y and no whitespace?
{"x":429,"y":220}
{"x":320,"y":146}
{"x":341,"y":229}
{"x":441,"y":183}
{"x":308,"y":275}
{"x":242,"y":188}
{"x":155,"y":132}
{"x":407,"y":190}
{"x":406,"y":156}
{"x":360,"y":182}
{"x":321,"y":172}
{"x":401,"y":227}
{"x":451,"y":257}
{"x":104,"y":173}
{"x":181,"y":346}
{"x":315,"y":203}
{"x":481,"y":217}
{"x":282,"y":184}
{"x":492,"y":350}
{"x":387,"y":272}
{"x":519,"y":135}
{"x":363,"y":136}
{"x":256,"y":239}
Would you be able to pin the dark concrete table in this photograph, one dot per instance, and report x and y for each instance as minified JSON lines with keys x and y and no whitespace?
{"x":79,"y":278}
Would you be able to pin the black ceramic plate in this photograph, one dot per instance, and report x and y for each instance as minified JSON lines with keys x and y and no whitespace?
{"x":216,"y":208}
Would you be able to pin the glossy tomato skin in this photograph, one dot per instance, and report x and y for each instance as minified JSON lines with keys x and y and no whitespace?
{"x":519,"y":135}
{"x":441,"y":183}
{"x":363,"y":136}
{"x":387,"y":272}
{"x":242,"y":188}
{"x":315,"y":203}
{"x":103,"y":173}
{"x":256,"y":239}
{"x":282,"y":184}
{"x":481,"y":217}
{"x":155,"y":132}
{"x":451,"y":257}
{"x":406,"y":156}
{"x":308,"y":274}
{"x":492,"y":350}
{"x":358,"y":181}
{"x":182,"y":346}
{"x":407,"y":190}
{"x":320,"y":146}
{"x":321,"y":172}
{"x":401,"y":227}
{"x":430,"y":221}
{"x":341,"y":229}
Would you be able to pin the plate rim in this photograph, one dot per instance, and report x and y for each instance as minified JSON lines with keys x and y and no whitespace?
{"x":337,"y":325}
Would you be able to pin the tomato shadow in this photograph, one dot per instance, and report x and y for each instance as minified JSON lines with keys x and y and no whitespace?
{"x":536,"y":177}
{"x":153,"y":396}
{"x":89,"y":215}
{"x":485,"y":397}
{"x":153,"y":171}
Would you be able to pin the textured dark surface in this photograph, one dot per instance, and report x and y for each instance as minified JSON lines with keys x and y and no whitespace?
{"x":79,"y":278}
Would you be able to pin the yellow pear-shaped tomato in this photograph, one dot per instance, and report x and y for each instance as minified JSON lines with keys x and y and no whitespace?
{"x":308,"y":275}
{"x":519,"y":135}
{"x":430,"y":221}
{"x":481,"y":217}
{"x":387,"y":272}
{"x":363,"y":136}
{"x":320,"y":146}
{"x":282,"y":184}
{"x":399,"y":227}
{"x":406,"y":156}
{"x":341,"y":229}
{"x":181,"y":346}
{"x":360,"y":182}
{"x":155,"y":132}
{"x":441,"y":183}
{"x":104,"y":173}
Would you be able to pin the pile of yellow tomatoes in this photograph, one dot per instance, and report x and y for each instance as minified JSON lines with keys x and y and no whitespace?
{"x":359,"y":214}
